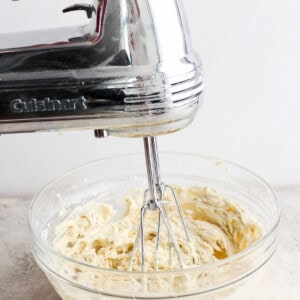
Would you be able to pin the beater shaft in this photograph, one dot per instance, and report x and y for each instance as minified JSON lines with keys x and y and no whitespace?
{"x":153,"y":171}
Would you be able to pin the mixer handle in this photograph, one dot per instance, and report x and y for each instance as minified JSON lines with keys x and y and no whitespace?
{"x":89,"y":9}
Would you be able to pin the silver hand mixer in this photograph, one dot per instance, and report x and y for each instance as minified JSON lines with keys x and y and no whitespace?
{"x":127,"y":70}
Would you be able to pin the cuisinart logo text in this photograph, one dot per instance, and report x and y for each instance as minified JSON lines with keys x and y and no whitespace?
{"x":47,"y":104}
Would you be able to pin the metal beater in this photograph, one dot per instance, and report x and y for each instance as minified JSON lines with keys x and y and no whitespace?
{"x":153,"y":201}
{"x":127,"y":70}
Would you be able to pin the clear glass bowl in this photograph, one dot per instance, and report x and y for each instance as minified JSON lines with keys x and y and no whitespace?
{"x":110,"y":178}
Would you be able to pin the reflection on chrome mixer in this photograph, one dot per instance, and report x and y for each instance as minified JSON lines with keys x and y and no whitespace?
{"x":138,"y":73}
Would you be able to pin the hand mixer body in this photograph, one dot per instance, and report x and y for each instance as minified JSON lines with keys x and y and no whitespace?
{"x":130,"y":70}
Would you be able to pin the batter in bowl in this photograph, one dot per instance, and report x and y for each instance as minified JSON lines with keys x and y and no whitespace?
{"x":218,"y":228}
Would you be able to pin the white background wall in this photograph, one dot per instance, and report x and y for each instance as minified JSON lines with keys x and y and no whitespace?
{"x":251,"y":54}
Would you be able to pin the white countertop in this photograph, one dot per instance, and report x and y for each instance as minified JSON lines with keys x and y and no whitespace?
{"x":21,"y":279}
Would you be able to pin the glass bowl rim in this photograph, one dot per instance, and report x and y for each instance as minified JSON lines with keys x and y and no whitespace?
{"x":40,"y":242}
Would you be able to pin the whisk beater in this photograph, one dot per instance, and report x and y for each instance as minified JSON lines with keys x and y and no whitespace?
{"x":154,"y":201}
